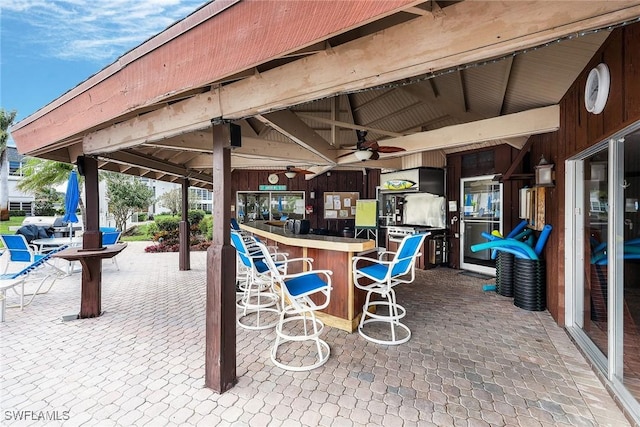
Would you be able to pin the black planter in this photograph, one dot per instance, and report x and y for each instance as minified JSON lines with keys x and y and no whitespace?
{"x":504,"y":273}
{"x":529,"y":284}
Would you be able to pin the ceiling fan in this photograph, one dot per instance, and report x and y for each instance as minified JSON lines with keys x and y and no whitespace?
{"x":366,"y":150}
{"x":291,"y":172}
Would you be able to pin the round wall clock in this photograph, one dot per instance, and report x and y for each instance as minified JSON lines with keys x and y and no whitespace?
{"x":596,"y":91}
{"x":273,"y":178}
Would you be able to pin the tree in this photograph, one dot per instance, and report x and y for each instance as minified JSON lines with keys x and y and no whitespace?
{"x":172,"y":200}
{"x":126,"y":195}
{"x":6,"y":120}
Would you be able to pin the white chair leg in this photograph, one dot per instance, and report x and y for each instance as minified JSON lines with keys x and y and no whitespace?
{"x":3,"y":304}
{"x":260,"y":308}
{"x":395,"y":312}
{"x":321,"y":347}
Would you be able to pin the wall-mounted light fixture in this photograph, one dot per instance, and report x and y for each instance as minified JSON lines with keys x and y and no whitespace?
{"x":544,"y":173}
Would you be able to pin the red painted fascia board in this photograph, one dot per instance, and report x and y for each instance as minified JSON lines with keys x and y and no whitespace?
{"x":224,"y":41}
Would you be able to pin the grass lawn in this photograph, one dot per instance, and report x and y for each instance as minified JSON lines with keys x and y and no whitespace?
{"x":13,"y":221}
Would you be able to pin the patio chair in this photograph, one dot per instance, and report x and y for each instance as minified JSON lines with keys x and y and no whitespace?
{"x":19,"y":251}
{"x":259,"y":301}
{"x":378,"y":278}
{"x":250,"y":239}
{"x":111,"y":238}
{"x":302,"y":294}
{"x":19,"y":278}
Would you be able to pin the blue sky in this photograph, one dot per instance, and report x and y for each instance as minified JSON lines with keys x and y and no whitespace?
{"x":48,"y":47}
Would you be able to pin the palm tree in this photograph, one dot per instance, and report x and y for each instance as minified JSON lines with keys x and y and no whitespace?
{"x":39,"y":174}
{"x":6,"y":120}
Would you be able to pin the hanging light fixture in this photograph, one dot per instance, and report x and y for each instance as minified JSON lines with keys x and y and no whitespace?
{"x":290,"y":174}
{"x":363,"y":155}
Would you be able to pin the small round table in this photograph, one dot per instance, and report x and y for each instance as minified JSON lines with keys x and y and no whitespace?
{"x":51,"y":243}
{"x":91,"y":260}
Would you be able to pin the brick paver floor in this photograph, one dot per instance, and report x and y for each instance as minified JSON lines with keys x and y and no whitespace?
{"x":474,"y":359}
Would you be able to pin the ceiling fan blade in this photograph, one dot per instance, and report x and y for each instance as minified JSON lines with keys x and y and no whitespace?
{"x":304,"y":171}
{"x":373,"y":145}
{"x":344,"y":155}
{"x":388,"y":149}
{"x":374,"y":156}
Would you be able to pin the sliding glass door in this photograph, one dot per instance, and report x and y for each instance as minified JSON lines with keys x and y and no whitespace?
{"x":603,"y":267}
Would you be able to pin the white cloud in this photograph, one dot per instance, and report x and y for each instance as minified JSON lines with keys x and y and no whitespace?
{"x":97,"y":30}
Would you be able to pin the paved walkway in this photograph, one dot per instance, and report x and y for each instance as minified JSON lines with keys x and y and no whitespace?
{"x":474,"y":360}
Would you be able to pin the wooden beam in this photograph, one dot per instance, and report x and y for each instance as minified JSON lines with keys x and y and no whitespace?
{"x":476,"y":31}
{"x":378,"y":60}
{"x":252,"y":146}
{"x":540,"y":120}
{"x":348,"y":125}
{"x":290,"y":125}
{"x":190,"y":115}
{"x":144,"y":162}
{"x":524,"y":150}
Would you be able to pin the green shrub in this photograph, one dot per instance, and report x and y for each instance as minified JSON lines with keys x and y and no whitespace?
{"x":195,"y":216}
{"x":206,"y":227}
{"x":150,"y":229}
{"x":168,"y":224}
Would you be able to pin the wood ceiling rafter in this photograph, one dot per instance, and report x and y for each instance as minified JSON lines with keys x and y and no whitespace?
{"x":290,"y":125}
{"x":505,"y":82}
{"x":539,"y":120}
{"x":346,"y":125}
{"x":460,"y":82}
{"x":134,"y":159}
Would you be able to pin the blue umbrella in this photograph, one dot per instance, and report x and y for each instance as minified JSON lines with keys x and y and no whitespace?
{"x":71,"y":199}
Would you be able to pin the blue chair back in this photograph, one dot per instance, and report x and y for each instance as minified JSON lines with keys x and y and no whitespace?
{"x":110,"y":238}
{"x":18,"y":247}
{"x":108,"y":229}
{"x":38,"y":263}
{"x":235,"y":225}
{"x":241,"y":248}
{"x":407,"y":253}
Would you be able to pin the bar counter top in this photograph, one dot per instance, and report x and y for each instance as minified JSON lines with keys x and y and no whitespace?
{"x":316,"y":241}
{"x":330,"y":253}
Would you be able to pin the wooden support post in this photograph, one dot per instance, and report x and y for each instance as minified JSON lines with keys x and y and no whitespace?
{"x":184,"y":229}
{"x":91,"y":300}
{"x":220,"y":344}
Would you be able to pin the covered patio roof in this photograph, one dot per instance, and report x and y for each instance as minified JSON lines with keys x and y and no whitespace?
{"x":301,"y":77}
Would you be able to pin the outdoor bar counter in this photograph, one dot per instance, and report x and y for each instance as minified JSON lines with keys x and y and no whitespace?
{"x":330,"y":253}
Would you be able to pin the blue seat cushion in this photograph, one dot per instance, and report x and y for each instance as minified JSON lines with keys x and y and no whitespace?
{"x":304,"y":284}
{"x":375,"y":271}
{"x":261,"y":266}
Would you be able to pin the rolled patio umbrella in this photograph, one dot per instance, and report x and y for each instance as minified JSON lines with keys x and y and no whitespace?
{"x":71,"y":199}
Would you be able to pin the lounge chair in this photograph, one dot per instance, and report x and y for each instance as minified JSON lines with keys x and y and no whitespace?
{"x":19,"y":250}
{"x":111,"y":238}
{"x":19,"y":278}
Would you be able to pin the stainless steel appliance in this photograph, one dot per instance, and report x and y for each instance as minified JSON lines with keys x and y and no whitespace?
{"x":435,"y":250}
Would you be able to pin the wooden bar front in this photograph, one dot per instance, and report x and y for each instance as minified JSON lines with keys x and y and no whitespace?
{"x":330,"y":253}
